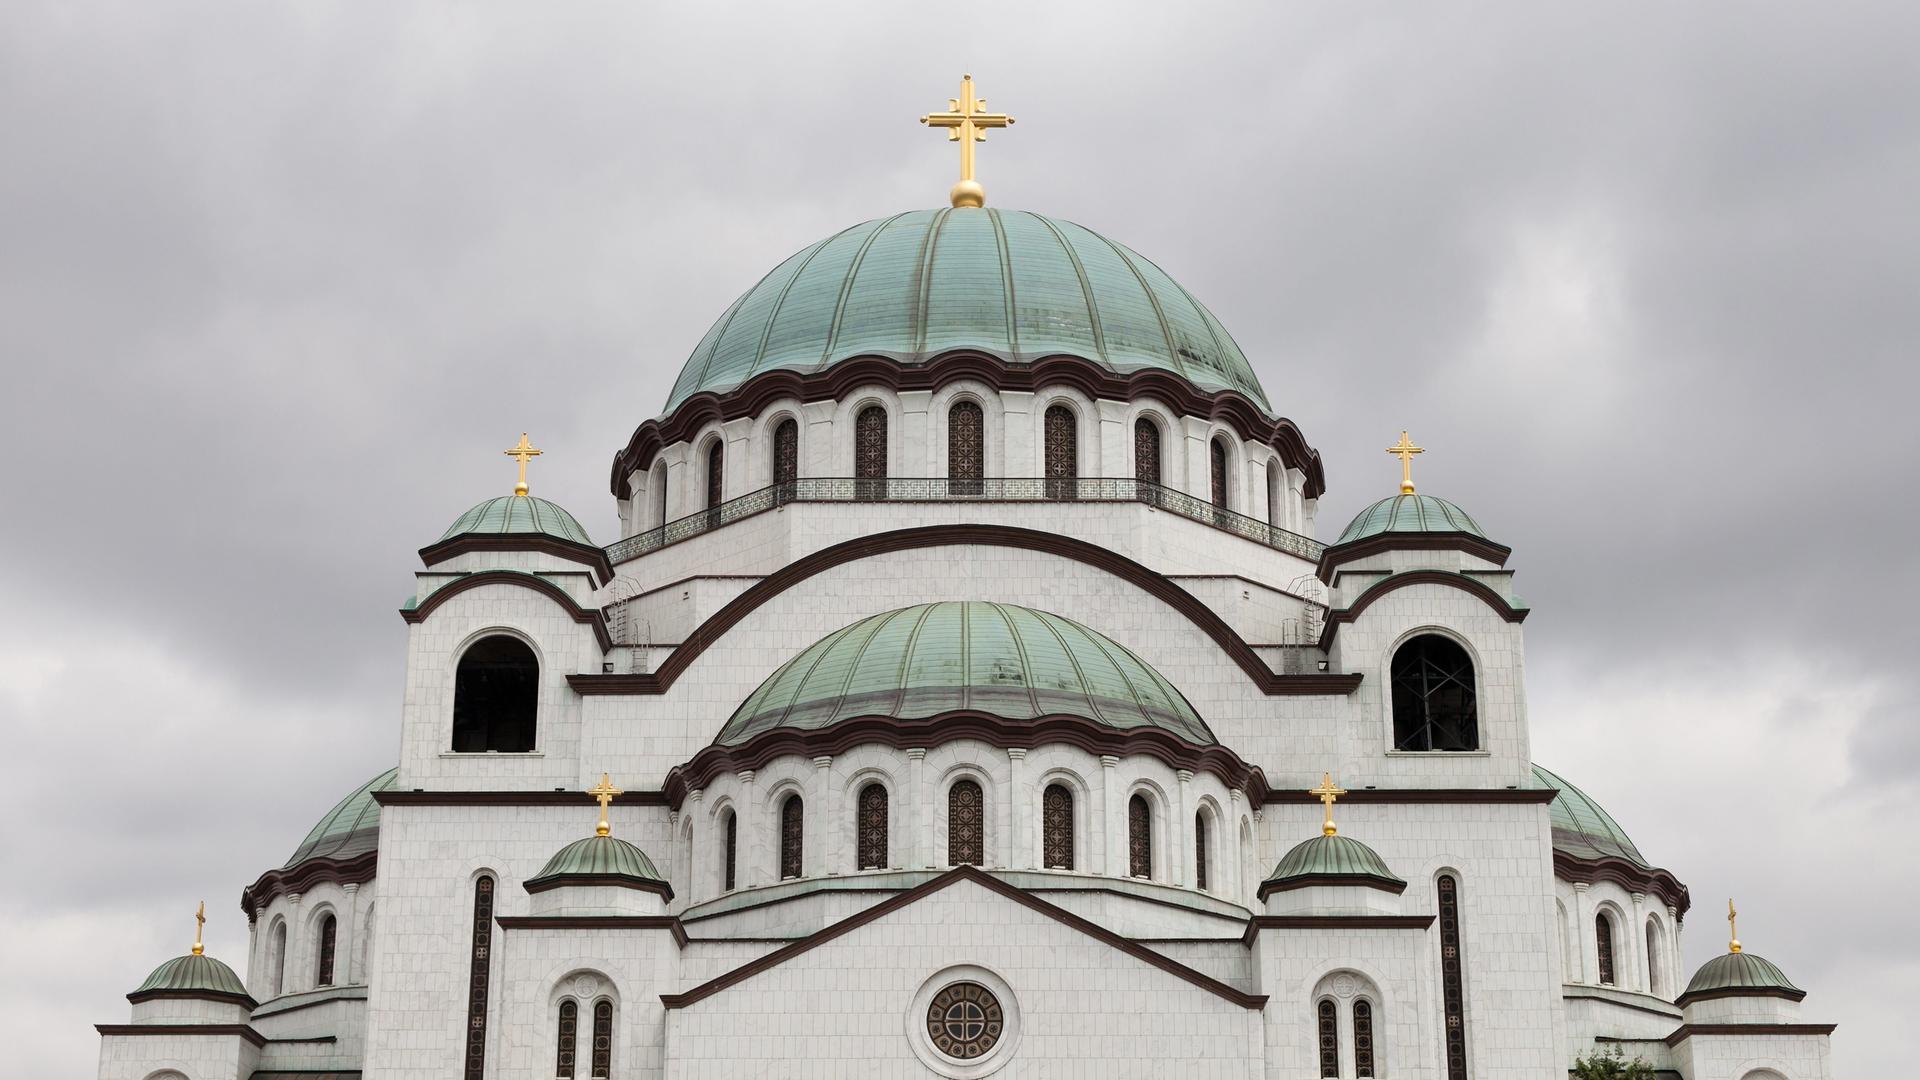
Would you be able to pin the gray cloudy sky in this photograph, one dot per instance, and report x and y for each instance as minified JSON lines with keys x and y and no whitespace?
{"x":278,"y":283}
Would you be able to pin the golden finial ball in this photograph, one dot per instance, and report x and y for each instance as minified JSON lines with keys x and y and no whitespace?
{"x":968,"y":193}
{"x":520,"y":488}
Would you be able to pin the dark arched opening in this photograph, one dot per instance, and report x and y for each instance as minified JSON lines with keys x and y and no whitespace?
{"x":496,"y":691}
{"x":1434,"y":704}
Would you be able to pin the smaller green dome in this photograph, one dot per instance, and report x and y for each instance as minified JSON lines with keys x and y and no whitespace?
{"x":1342,"y":858}
{"x":193,"y":975}
{"x":1740,"y":973}
{"x":516,"y":515}
{"x":599,"y":860}
{"x":1402,"y":514}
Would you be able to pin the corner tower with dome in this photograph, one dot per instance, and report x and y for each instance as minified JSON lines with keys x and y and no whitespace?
{"x":966,"y":693}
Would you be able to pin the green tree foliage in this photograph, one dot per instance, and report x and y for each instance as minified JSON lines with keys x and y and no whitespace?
{"x":1612,"y":1065}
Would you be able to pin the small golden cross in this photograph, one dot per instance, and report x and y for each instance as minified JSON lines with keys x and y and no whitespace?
{"x":199,"y":926}
{"x":605,"y":793}
{"x":1327,"y":793}
{"x":1405,"y":451}
{"x":967,"y":123}
{"x":523,"y":453}
{"x":1733,"y":929}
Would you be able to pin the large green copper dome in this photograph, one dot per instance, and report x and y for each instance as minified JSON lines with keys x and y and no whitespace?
{"x":1014,"y":284}
{"x":351,"y":828}
{"x":1583,"y":827}
{"x":1011,"y":662}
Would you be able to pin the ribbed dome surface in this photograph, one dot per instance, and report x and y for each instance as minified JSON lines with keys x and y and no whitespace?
{"x":599,"y":856}
{"x":1410,"y":514}
{"x":351,"y":828}
{"x":193,"y":974}
{"x":519,"y":514}
{"x":1739,"y":971}
{"x":1582,"y":827}
{"x":1014,"y":284}
{"x":1332,"y":856}
{"x":1012,"y":662}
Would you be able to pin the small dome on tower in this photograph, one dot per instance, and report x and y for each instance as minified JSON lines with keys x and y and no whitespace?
{"x":1739,"y":974}
{"x":1417,"y":514}
{"x":518,"y":515}
{"x":600,"y":860}
{"x":195,"y":975}
{"x":1331,"y":859}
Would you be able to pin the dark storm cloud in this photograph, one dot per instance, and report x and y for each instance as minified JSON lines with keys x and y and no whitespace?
{"x":279,"y":284}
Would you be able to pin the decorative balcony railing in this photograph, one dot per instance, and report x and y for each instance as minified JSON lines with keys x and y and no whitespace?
{"x":997,"y":489}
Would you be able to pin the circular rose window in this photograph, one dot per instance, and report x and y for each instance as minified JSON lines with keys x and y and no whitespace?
{"x":964,"y":1021}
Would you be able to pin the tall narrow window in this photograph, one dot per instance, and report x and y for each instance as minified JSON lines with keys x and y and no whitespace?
{"x":1656,"y":976}
{"x":1603,"y":940}
{"x":870,"y":453}
{"x":792,"y":832}
{"x":1362,"y":1037}
{"x":1275,"y":507}
{"x":1056,"y":828}
{"x":729,"y":850}
{"x":279,"y":959}
{"x":872,"y":827}
{"x":1062,"y":452}
{"x":602,"y":1039}
{"x":1139,"y":837}
{"x":657,"y":490}
{"x":966,"y":449}
{"x":495,"y":697}
{"x":966,"y":824}
{"x":1329,"y":1025}
{"x":568,"y":1039}
{"x":479,"y":973}
{"x":1217,"y":472}
{"x":1146,"y":451}
{"x":1434,"y":704}
{"x":786,"y":451}
{"x":1200,"y":850}
{"x":1453,"y":998}
{"x":716,"y":472}
{"x":323,"y":970}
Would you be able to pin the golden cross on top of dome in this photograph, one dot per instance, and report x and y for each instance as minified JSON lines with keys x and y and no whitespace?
{"x":967,"y":122}
{"x":1733,"y":929}
{"x":1328,"y":791}
{"x":604,"y":792}
{"x":524,"y":453}
{"x":199,"y":927}
{"x":1405,"y":450}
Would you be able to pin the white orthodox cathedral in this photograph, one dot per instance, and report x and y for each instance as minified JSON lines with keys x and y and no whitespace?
{"x":970,"y":692}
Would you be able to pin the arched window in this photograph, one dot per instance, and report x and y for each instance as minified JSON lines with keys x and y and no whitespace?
{"x":728,"y":850}
{"x":1062,"y":452}
{"x":1217,"y":472}
{"x":1329,"y":1025}
{"x":792,"y":832}
{"x":1276,"y":516}
{"x":1453,"y":998}
{"x":1146,"y":451}
{"x":277,"y":963}
{"x":966,"y":448}
{"x":479,"y":975}
{"x":658,"y":491}
{"x":870,"y":453}
{"x":1656,"y":975}
{"x":966,"y":824}
{"x":602,"y":1040}
{"x":1056,"y":828}
{"x":1200,"y":850}
{"x":786,"y":451}
{"x":1139,"y":837}
{"x":1434,"y":705}
{"x":568,"y":1038}
{"x":1362,"y":1037}
{"x":1603,"y":941}
{"x":496,"y":692}
{"x":872,"y":827}
{"x":323,"y":969}
{"x":716,"y":472}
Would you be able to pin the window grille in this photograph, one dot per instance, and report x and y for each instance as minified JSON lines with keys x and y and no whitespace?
{"x":1139,"y":837}
{"x":1452,"y":990}
{"x":328,"y":928}
{"x":786,"y":452}
{"x":1329,"y":1038}
{"x":733,"y":835}
{"x":1217,"y":473}
{"x":1603,"y":938}
{"x":1363,"y":1037}
{"x":1056,"y":827}
{"x":568,"y":1039}
{"x":1062,"y":452}
{"x":873,"y":827}
{"x":792,"y":826}
{"x":966,"y":448}
{"x":966,"y":832}
{"x":1200,"y":851}
{"x":870,"y":453}
{"x":1146,"y":451}
{"x":716,"y":472}
{"x":479,"y":975}
{"x":602,"y":1039}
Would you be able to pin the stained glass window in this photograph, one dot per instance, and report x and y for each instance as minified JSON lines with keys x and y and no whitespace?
{"x":1062,"y":452}
{"x":1363,"y":1037}
{"x":602,"y":1039}
{"x":786,"y":452}
{"x":479,"y":975}
{"x":568,"y":1038}
{"x":870,"y":453}
{"x":1200,"y":850}
{"x":324,"y":976}
{"x":964,"y":1021}
{"x":1146,"y":450}
{"x":1217,"y":472}
{"x":1452,"y":990}
{"x":873,"y":827}
{"x":1434,"y":705}
{"x":716,"y":471}
{"x":1329,"y":1025}
{"x":966,"y":448}
{"x":792,"y":827}
{"x":1139,"y":837}
{"x":733,"y":836}
{"x":966,"y":825}
{"x":1056,"y":827}
{"x":1603,"y":938}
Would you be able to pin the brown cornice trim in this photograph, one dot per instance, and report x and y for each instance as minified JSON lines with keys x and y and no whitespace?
{"x":1203,"y":617}
{"x":512,"y":798}
{"x":451,"y":589}
{"x":754,"y":396}
{"x":1687,"y":1031}
{"x":1781,"y":992}
{"x":243,"y":1000}
{"x":302,"y":877}
{"x":1409,"y":578}
{"x":1628,"y":875}
{"x":595,"y":558}
{"x":617,"y":881}
{"x":1509,"y":796}
{"x":1334,"y":922}
{"x":1479,"y":546}
{"x":1365,"y":881}
{"x":669,"y":923}
{"x":947,"y":727}
{"x":241,"y":1030}
{"x":992,"y":884}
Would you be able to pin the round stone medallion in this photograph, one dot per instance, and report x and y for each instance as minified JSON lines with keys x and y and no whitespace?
{"x":964,"y":1021}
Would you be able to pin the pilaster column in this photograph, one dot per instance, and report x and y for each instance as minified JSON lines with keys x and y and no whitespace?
{"x":293,"y":973}
{"x":1181,"y":833}
{"x":914,"y":812}
{"x":1112,"y":818}
{"x":827,"y":856}
{"x":346,"y":937}
{"x":1231,"y":883}
{"x":1637,"y":946}
{"x":1674,"y":981}
{"x":752,"y":863}
{"x":1019,"y":849}
{"x":697,"y":875}
{"x":1583,"y":935}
